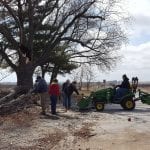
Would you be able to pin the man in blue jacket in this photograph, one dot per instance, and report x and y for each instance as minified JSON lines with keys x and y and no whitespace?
{"x":42,"y":88}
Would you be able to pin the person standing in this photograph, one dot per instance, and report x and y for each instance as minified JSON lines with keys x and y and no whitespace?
{"x":69,"y":91}
{"x":41,"y":88}
{"x":54,"y":92}
{"x":65,"y":91}
{"x":36,"y":96}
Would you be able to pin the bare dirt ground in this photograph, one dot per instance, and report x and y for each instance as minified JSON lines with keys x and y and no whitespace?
{"x":112,"y":129}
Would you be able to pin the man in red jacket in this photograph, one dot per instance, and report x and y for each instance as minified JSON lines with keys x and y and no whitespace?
{"x":54,"y":92}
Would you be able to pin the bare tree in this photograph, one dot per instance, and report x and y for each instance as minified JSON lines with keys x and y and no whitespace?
{"x":84,"y":75}
{"x":91,"y":28}
{"x":89,"y":76}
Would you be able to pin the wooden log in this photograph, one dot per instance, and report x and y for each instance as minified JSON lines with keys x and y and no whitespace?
{"x":16,"y":105}
{"x":7,"y":98}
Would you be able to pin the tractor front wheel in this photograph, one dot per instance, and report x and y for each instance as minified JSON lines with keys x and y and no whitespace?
{"x":128,"y":104}
{"x":99,"y":106}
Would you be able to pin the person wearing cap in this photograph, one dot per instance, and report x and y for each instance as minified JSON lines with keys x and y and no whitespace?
{"x":41,"y":88}
{"x":125,"y":83}
{"x":54,"y":92}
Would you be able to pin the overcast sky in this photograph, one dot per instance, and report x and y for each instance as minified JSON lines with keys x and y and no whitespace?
{"x":136,"y":54}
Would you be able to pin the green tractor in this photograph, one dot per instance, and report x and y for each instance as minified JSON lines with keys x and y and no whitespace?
{"x":99,"y":98}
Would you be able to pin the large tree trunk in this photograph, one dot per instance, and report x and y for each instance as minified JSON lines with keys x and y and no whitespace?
{"x":54,"y":73}
{"x":16,"y":100}
{"x":43,"y":72}
{"x":24,"y":78}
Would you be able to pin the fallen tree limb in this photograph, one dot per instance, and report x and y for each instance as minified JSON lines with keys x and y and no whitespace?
{"x":16,"y":105}
{"x":7,"y":98}
{"x":15,"y":93}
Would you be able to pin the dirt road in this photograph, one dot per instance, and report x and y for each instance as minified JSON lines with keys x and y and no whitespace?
{"x":113,"y":129}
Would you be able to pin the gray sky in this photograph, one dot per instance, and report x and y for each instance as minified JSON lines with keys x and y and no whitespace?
{"x":136,"y":53}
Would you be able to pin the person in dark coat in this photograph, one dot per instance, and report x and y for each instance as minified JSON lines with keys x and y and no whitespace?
{"x":68,"y":90}
{"x":125,"y":83}
{"x":123,"y":88}
{"x":65,"y":91}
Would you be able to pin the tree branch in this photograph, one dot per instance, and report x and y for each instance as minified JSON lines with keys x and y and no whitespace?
{"x":93,"y":17}
{"x":11,"y":12}
{"x":5,"y":56}
{"x":5,"y":31}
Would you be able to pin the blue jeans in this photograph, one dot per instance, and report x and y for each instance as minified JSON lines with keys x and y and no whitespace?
{"x":64,"y":97}
{"x":53,"y":103}
{"x":67,"y":101}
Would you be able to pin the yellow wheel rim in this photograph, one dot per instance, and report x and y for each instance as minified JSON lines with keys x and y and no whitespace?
{"x":99,"y":106}
{"x":129,"y":104}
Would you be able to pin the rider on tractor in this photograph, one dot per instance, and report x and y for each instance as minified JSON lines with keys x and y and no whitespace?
{"x":123,"y":88}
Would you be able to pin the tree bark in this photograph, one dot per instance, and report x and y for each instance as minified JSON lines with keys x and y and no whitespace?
{"x":14,"y":102}
{"x":24,"y":78}
{"x":54,"y":73}
{"x":43,"y":72}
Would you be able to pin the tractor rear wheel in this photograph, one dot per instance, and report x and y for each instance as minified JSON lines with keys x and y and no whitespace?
{"x":128,"y":104}
{"x":99,"y":106}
